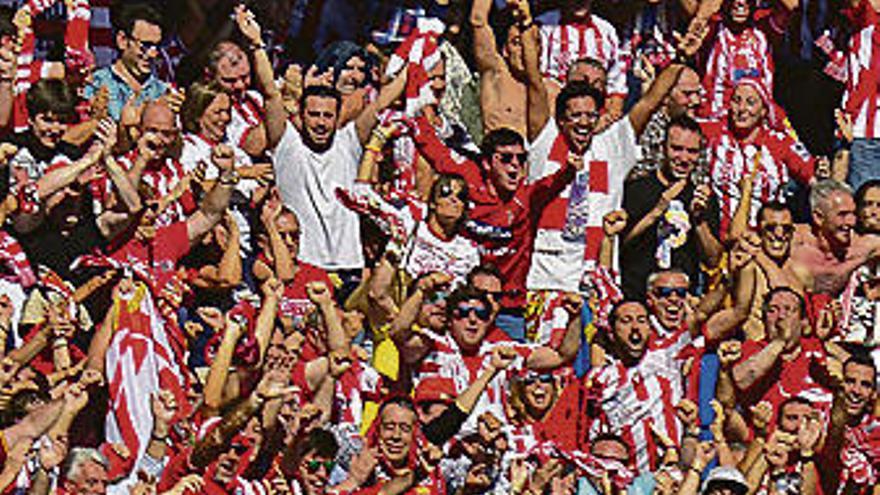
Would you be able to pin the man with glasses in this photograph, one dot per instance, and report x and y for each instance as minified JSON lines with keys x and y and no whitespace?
{"x":672,"y":220}
{"x":503,"y":208}
{"x":130,"y":77}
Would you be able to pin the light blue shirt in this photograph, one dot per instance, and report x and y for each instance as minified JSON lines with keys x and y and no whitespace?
{"x":119,"y":91}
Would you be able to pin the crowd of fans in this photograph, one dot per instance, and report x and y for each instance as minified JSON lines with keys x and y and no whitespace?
{"x":440,"y":247}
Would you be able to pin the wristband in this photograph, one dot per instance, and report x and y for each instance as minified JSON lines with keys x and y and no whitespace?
{"x":159,"y":439}
{"x":230,"y":178}
{"x":59,"y":342}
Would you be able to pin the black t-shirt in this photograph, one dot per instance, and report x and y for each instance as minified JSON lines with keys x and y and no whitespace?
{"x":638,"y":258}
{"x":49,"y":246}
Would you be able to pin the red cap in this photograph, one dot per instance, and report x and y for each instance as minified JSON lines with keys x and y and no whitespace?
{"x":435,"y":389}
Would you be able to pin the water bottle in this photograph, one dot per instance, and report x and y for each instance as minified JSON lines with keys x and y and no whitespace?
{"x":577,"y":215}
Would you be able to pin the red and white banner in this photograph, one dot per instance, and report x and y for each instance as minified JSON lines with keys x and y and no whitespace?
{"x":139,"y":362}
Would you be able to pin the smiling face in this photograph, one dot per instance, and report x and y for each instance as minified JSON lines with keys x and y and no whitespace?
{"x":507,"y":167}
{"x":631,"y":330}
{"x":470,"y":323}
{"x":578,"y":122}
{"x":682,"y":153}
{"x":139,"y":48}
{"x":747,"y":109}
{"x":48,"y":128}
{"x":216,"y":117}
{"x":90,"y":479}
{"x":313,"y":473}
{"x":666,"y":298}
{"x":159,"y":121}
{"x":869,"y":211}
{"x":539,"y":394}
{"x":740,"y":11}
{"x":396,"y":430}
{"x":319,"y":121}
{"x":836,"y":218}
{"x":776,"y":228}
{"x":859,"y":389}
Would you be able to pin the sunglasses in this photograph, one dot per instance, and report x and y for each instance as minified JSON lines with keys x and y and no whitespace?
{"x":465,"y":310}
{"x":508,"y":157}
{"x":495,"y":295}
{"x":664,"y":292}
{"x":436,"y":297}
{"x":446,"y":191}
{"x":239,"y":448}
{"x":314,"y":465}
{"x":771,"y":228}
{"x":545,"y":379}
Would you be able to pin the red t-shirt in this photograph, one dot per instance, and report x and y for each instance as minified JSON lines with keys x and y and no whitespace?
{"x":788,"y":378}
{"x":517,"y":217}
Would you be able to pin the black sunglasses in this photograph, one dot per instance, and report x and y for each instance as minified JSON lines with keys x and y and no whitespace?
{"x":507,"y":157}
{"x":465,"y":310}
{"x":545,"y":379}
{"x":314,"y":465}
{"x":446,"y":191}
{"x":664,"y":292}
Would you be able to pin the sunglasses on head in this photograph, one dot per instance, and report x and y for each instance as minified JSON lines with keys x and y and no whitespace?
{"x":507,"y":157}
{"x":664,"y":292}
{"x":465,"y":310}
{"x":446,"y":190}
{"x":532,"y":379}
{"x":314,"y":465}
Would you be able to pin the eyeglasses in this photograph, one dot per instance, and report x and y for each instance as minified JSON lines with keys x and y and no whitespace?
{"x":772,"y":228}
{"x":314,"y":465}
{"x":507,"y":157}
{"x":664,"y":292}
{"x":465,"y":310}
{"x":144,"y":45}
{"x":546,"y":379}
{"x":495,"y":295}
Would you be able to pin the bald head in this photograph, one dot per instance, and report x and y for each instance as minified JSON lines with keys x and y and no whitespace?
{"x":159,"y":127}
{"x":157,"y":111}
{"x":229,"y":66}
{"x":686,"y":95}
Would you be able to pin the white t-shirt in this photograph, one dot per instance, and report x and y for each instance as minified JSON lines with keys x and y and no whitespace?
{"x":428,"y":253}
{"x":307,"y":179}
{"x":557,"y":263}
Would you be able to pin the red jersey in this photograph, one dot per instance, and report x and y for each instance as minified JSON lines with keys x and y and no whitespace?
{"x":516,"y":218}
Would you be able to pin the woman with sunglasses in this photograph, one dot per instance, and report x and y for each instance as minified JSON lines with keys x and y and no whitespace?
{"x":437,"y":244}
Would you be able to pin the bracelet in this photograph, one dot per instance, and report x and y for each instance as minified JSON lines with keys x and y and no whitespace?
{"x":230,"y":178}
{"x":59,"y":343}
{"x":159,"y":439}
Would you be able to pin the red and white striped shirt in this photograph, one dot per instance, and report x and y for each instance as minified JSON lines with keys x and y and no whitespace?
{"x":246,"y":114}
{"x":633,"y":400}
{"x":562,"y":45}
{"x":733,"y":57}
{"x":863,"y":79}
{"x":162,"y":179}
{"x":559,"y":264}
{"x":777,"y":156}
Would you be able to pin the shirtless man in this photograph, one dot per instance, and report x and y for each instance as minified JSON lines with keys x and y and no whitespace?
{"x":502,"y":72}
{"x":830,"y":249}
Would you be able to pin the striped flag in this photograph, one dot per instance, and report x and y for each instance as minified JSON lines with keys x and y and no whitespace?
{"x":139,"y":362}
{"x":420,"y":51}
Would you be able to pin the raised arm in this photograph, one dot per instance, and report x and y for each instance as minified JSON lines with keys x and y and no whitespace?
{"x":486,"y":54}
{"x":641,"y":113}
{"x":366,"y":121}
{"x":748,"y":372}
{"x":547,"y":358}
{"x":257,"y":139}
{"x":214,"y":205}
{"x":536,"y":92}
